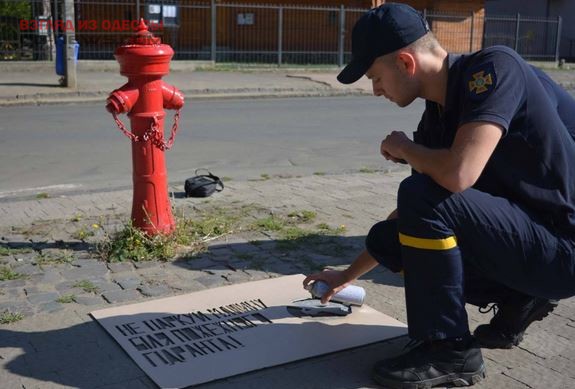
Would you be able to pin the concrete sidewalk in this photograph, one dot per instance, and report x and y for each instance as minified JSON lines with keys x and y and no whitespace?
{"x":57,"y":344}
{"x":28,"y":83}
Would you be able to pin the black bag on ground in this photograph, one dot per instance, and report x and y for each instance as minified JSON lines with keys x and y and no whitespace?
{"x":203,"y":185}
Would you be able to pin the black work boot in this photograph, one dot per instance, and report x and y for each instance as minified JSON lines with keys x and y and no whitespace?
{"x":431,"y":364}
{"x":511,"y":319}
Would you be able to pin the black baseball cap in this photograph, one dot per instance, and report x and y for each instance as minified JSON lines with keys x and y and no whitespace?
{"x":380,"y":31}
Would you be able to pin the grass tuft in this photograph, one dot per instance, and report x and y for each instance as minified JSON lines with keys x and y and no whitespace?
{"x":8,"y":317}
{"x":5,"y":251}
{"x":67,"y":299}
{"x":304,"y":216}
{"x":86,"y":286}
{"x":133,"y":244}
{"x":270,"y":223}
{"x":84,"y":233}
{"x":55,"y":258}
{"x":7,"y":274}
{"x":190,"y":236}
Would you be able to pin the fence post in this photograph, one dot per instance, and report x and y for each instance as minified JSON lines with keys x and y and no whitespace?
{"x":69,"y":46}
{"x":280,"y":33}
{"x":137,"y":9}
{"x":517,"y":33}
{"x":472,"y":31}
{"x":341,"y":41}
{"x":213,"y":30}
{"x":558,"y":40}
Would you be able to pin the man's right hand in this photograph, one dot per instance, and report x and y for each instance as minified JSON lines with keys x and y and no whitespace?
{"x":335,"y":279}
{"x":391,"y":146}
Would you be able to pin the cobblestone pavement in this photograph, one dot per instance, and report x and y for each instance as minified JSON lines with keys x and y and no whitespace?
{"x":52,"y":244}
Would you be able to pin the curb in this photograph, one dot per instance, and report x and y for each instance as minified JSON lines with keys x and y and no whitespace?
{"x":90,"y":97}
{"x":178,"y":65}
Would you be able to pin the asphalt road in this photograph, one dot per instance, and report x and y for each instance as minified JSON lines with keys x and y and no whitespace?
{"x":78,"y":147}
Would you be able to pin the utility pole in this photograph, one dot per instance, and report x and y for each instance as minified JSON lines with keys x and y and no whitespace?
{"x":70,"y":45}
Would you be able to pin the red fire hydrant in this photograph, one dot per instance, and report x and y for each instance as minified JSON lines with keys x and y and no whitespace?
{"x":144,"y":60}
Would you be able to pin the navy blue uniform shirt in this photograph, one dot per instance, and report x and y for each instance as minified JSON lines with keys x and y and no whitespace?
{"x":533,"y":164}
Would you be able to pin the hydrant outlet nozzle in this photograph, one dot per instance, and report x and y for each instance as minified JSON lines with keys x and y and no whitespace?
{"x":173,"y":98}
{"x":122,"y":100}
{"x":112,"y":106}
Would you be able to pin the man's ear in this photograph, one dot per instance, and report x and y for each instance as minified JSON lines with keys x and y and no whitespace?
{"x":406,"y":63}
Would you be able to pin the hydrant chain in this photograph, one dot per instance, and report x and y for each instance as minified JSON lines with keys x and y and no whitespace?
{"x":123,"y":128}
{"x":158,"y":138}
{"x":154,"y":134}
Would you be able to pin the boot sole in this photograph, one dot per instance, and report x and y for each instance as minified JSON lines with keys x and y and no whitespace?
{"x":453,"y":379}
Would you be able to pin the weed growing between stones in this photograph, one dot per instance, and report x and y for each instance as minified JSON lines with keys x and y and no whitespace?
{"x":61,"y":257}
{"x":7,"y":274}
{"x":8,"y":317}
{"x":5,"y":251}
{"x":192,"y":234}
{"x":133,"y":244}
{"x":83,"y":233}
{"x":87,"y":286}
{"x":67,"y":299}
{"x":293,"y":230}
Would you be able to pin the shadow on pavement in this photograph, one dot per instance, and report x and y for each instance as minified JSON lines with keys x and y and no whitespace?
{"x":306,"y":255}
{"x":81,"y":356}
{"x":33,"y":84}
{"x":39,"y":246}
{"x":86,"y":356}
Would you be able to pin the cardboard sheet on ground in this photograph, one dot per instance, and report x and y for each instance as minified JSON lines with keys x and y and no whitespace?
{"x":203,"y":336}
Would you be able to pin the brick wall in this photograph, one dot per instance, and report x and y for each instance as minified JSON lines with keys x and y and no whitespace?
{"x":459,"y":34}
{"x":456,"y":34}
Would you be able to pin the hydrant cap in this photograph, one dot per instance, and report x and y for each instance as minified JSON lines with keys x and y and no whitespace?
{"x":143,"y":36}
{"x":144,"y":54}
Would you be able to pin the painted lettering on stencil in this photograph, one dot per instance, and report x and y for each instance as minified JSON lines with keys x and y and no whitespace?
{"x":183,"y":353}
{"x":173,"y":339}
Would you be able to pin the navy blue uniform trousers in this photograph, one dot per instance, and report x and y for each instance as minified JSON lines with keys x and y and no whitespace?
{"x":467,"y":247}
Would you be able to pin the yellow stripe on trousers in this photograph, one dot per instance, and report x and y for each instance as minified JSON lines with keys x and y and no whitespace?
{"x":428,"y":244}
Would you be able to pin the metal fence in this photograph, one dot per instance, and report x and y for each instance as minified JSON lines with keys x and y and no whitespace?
{"x":206,"y":30}
{"x":569,"y":48}
{"x":534,"y":38}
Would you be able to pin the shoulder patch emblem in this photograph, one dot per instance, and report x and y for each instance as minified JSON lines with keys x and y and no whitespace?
{"x":482,"y":81}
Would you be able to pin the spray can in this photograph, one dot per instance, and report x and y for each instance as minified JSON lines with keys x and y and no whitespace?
{"x":350,"y":295}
